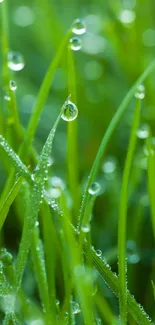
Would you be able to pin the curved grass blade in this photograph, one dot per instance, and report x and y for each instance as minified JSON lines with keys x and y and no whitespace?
{"x":9,"y":200}
{"x":122,"y":265}
{"x":15,"y":160}
{"x":112,"y":126}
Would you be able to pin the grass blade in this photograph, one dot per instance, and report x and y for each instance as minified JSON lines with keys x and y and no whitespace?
{"x":122,"y":265}
{"x":135,"y":310}
{"x":112,"y":126}
{"x":9,"y":200}
{"x":72,"y":159}
{"x":16,"y":162}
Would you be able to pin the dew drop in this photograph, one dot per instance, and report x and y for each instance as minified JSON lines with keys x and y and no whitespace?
{"x":1,"y":1}
{"x":85,"y":227}
{"x":94,"y":188}
{"x":7,"y":97}
{"x":75,"y":43}
{"x":75,"y":308}
{"x":70,"y":112}
{"x":79,"y":27}
{"x":109,"y":165}
{"x":98,"y":253}
{"x":143,"y":131}
{"x":37,"y":223}
{"x":127,"y":16}
{"x":6,"y":257}
{"x":15,"y":61}
{"x":13,"y":85}
{"x":140,"y":92}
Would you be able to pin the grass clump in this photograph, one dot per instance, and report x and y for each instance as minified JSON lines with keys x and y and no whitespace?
{"x":59,"y":246}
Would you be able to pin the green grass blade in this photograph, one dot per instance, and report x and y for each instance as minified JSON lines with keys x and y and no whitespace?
{"x":151,"y":177}
{"x":36,"y":191}
{"x":134,"y":309}
{"x":72,"y":156}
{"x":122,"y":265}
{"x":9,"y":200}
{"x":112,"y":126}
{"x":15,"y":160}
{"x":40,"y":272}
{"x":42,"y":96}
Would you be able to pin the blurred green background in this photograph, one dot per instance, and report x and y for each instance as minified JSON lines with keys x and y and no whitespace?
{"x":117,"y":47}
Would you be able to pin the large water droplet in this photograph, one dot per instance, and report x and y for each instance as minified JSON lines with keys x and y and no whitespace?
{"x":13,"y":85}
{"x":143,"y":131}
{"x":15,"y":61}
{"x":79,"y":27}
{"x":85,"y":227}
{"x":70,"y":112}
{"x":94,"y":188}
{"x":57,"y":186}
{"x":75,"y":43}
{"x":140,"y":92}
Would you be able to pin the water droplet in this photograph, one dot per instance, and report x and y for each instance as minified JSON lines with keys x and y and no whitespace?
{"x":75,"y":308}
{"x":132,"y":253}
{"x":109,"y":165}
{"x":1,"y":1}
{"x":7,"y":97}
{"x":5,"y":257}
{"x":70,"y":112}
{"x":98,"y":252}
{"x":79,"y":27}
{"x":13,"y":85}
{"x":23,"y":16}
{"x":85,"y":227}
{"x":37,"y":223}
{"x":143,"y":131}
{"x":94,"y":188}
{"x":140,"y":92}
{"x":15,"y":61}
{"x":127,"y":17}
{"x":75,"y":43}
{"x":50,"y":161}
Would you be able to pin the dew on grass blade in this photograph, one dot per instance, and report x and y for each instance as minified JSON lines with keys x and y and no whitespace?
{"x":70,"y":111}
{"x":140,"y":92}
{"x":7,"y":97}
{"x":13,"y":85}
{"x":75,"y":43}
{"x":75,"y":308}
{"x":56,"y":187}
{"x":79,"y":27}
{"x":5,"y":257}
{"x":98,"y":253}
{"x":143,"y":131}
{"x":15,"y":61}
{"x":85,"y":227}
{"x":94,"y":188}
